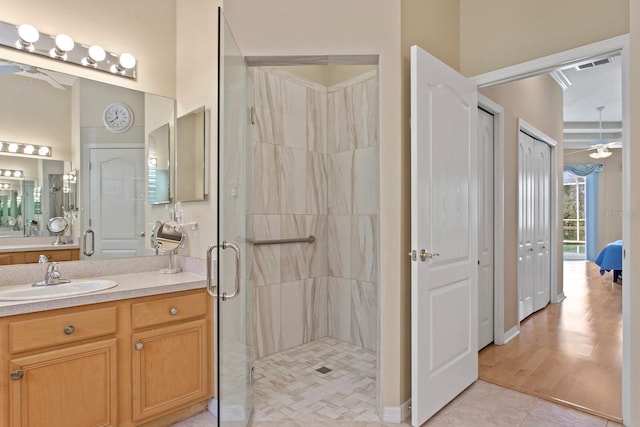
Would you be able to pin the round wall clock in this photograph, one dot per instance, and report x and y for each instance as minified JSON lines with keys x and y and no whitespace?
{"x":118,"y":117}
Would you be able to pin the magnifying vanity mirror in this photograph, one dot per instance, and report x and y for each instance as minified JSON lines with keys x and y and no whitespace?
{"x":57,"y":226}
{"x":168,"y":236}
{"x":107,"y":181}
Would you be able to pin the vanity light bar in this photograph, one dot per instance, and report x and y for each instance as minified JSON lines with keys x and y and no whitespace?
{"x":11,"y":173}
{"x":62,"y":47}
{"x":28,"y":149}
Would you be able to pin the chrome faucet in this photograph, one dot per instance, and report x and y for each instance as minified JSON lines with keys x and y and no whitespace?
{"x":52,"y":276}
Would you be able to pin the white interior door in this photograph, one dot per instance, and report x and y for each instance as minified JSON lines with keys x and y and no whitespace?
{"x":444,"y":275}
{"x":542,"y":225}
{"x":117,"y":201}
{"x":525,"y":225}
{"x":485,"y":228}
{"x":534,"y":256}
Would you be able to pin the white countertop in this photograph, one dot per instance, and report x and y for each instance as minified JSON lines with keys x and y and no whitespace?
{"x":38,"y":247}
{"x":129,"y":286}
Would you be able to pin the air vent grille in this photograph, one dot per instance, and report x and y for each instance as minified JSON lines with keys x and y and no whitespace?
{"x":591,"y":64}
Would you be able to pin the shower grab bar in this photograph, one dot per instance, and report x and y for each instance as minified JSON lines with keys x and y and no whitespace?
{"x":310,"y":239}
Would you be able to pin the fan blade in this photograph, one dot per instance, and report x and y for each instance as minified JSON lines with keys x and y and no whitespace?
{"x":578,"y":151}
{"x":53,"y":82}
{"x":9,"y":69}
{"x":614,"y":144}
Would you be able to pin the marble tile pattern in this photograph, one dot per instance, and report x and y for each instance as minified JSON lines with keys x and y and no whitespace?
{"x":289,"y":392}
{"x":332,"y":196}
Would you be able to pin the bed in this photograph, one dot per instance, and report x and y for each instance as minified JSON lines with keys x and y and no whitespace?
{"x":610,"y":259}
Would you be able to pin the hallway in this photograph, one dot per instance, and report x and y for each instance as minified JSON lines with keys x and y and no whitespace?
{"x":569,"y":352}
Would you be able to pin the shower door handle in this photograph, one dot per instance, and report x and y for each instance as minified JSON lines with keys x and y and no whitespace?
{"x":236,"y":251}
{"x":93,"y":242}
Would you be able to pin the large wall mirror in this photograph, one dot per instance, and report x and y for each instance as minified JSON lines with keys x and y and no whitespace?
{"x":109,"y":178}
{"x":191,"y":171}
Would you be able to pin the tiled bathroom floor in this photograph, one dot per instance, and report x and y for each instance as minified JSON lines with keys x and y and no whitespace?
{"x":288,"y":387}
{"x":289,"y":392}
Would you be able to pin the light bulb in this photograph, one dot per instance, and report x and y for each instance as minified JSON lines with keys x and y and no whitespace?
{"x":29,"y":149}
{"x":7,"y":173}
{"x":13,"y":148}
{"x":44,"y":151}
{"x":96,"y":54}
{"x":17,"y":174}
{"x":64,"y":44}
{"x":28,"y":36}
{"x":127,"y":61}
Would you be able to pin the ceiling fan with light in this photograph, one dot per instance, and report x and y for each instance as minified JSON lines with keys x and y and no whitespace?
{"x":601,"y":146}
{"x":30,"y":70}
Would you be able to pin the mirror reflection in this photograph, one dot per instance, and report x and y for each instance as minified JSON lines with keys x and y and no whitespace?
{"x":190,"y":156}
{"x":158,"y":162}
{"x":97,"y":174}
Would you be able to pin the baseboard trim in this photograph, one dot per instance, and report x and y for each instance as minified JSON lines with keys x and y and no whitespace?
{"x":396,"y":414}
{"x":559,"y":298}
{"x":512,"y":333}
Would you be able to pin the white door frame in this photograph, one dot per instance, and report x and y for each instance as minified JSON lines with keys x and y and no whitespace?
{"x":499,"y":336}
{"x":549,"y":63}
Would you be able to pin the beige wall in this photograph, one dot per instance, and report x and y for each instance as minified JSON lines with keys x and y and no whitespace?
{"x":498,"y":33}
{"x":144,"y":28}
{"x":609,"y":193}
{"x":355,"y":27}
{"x":197,"y":85}
{"x":537,"y":100}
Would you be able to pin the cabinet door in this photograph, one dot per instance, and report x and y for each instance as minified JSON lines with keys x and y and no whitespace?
{"x":72,"y":387}
{"x":170,"y":368}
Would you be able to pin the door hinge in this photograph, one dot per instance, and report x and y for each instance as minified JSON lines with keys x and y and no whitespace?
{"x":252,"y":115}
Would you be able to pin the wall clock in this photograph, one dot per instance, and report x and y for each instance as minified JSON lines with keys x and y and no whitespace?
{"x":118,"y":117}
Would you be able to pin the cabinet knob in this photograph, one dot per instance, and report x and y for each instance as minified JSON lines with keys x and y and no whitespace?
{"x":139,"y":345}
{"x":17,"y":374}
{"x":173,"y":311}
{"x":69,"y":329}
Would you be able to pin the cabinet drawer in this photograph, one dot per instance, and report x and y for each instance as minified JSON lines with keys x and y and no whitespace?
{"x":167,"y":310}
{"x":66,"y":328}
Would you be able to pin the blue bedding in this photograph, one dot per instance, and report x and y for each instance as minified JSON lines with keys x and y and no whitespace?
{"x":610,"y":257}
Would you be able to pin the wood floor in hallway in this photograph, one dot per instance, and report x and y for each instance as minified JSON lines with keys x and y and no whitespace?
{"x":569,"y":352}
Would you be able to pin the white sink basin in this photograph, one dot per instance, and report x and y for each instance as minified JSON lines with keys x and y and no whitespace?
{"x":75,"y":287}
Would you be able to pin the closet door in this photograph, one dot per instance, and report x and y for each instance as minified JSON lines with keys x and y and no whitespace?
{"x":525,"y":225}
{"x":542,"y":225}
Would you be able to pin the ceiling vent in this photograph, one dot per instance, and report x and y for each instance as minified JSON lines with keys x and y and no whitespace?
{"x":595,"y":63}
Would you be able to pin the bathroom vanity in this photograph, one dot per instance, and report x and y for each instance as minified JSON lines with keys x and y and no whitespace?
{"x":137,"y":354}
{"x":30,"y":255}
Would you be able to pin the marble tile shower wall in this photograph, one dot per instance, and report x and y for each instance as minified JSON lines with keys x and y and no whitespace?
{"x":309,"y":180}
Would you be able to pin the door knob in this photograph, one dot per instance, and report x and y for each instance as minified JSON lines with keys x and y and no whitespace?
{"x":142,"y":234}
{"x":424,"y":255}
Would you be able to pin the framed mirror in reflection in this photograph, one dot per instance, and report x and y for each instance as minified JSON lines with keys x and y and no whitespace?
{"x":158,"y":162}
{"x":67,"y":113}
{"x":191,"y":162}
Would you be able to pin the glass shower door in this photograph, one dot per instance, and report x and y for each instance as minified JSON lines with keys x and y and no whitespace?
{"x":234,"y":293}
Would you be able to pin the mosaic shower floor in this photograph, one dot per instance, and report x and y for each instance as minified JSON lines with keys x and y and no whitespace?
{"x":289,"y":386}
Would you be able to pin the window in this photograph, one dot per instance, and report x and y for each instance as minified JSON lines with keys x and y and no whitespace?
{"x":574,"y":215}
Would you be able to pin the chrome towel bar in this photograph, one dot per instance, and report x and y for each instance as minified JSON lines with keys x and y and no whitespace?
{"x":309,"y":240}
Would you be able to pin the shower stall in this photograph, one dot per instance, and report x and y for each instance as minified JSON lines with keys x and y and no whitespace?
{"x":297,"y":249}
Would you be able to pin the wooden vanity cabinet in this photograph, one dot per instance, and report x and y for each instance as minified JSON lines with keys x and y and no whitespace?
{"x":32,"y":257}
{"x":142,"y":361}
{"x":170,"y":357}
{"x":53,"y":381}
